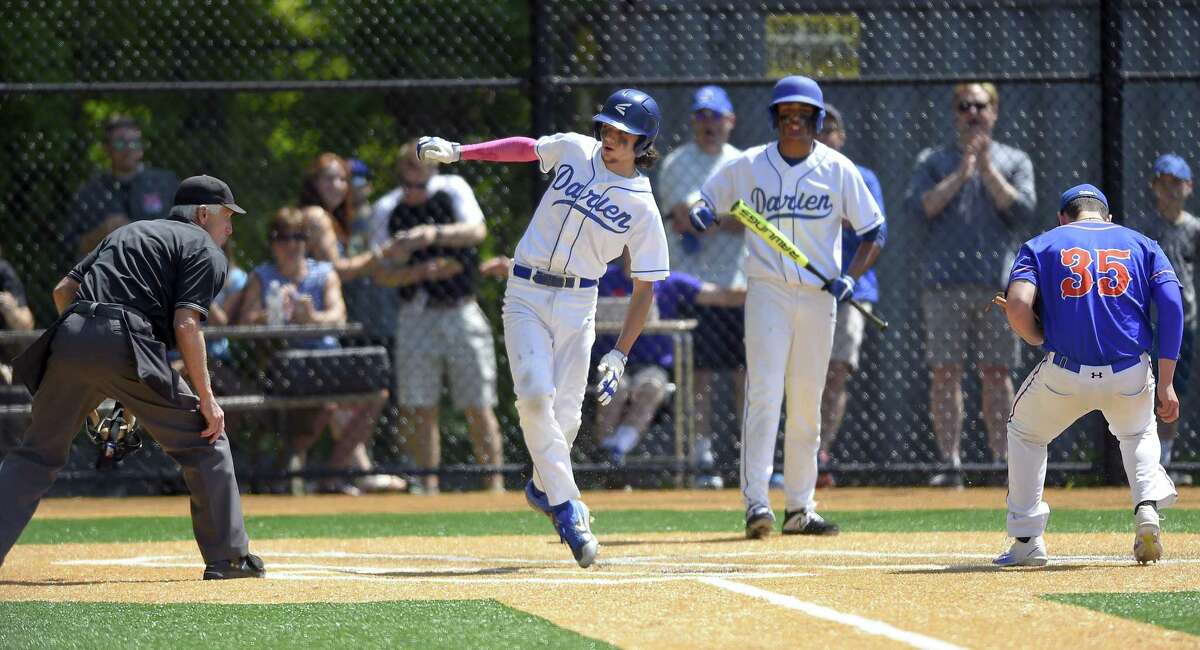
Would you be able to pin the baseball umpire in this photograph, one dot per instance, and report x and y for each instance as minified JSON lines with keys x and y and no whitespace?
{"x":145,"y":289}
{"x":1082,"y":291}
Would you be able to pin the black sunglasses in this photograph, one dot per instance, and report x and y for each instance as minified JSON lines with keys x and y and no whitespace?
{"x":965,"y":106}
{"x":288,"y":236}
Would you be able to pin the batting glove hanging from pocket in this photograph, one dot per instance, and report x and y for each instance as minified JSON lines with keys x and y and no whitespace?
{"x":610,"y":370}
{"x":439,"y":150}
{"x":841,"y":288}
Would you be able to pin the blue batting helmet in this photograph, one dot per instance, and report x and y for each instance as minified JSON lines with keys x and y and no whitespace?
{"x":631,"y":111}
{"x":802,"y":90}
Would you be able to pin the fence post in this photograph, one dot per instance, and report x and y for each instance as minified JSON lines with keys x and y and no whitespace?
{"x":540,"y":69}
{"x":1112,"y":145}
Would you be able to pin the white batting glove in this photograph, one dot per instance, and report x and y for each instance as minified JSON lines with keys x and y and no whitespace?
{"x":612,"y":366}
{"x":438,"y":150}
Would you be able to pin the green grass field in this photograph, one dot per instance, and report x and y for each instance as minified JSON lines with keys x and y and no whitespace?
{"x":1179,"y":610}
{"x":394,"y":624}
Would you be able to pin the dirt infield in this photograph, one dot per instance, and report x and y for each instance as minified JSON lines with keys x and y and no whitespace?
{"x":662,"y":590}
{"x":659,"y":589}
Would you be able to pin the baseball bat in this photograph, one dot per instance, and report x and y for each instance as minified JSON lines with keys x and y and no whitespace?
{"x":777,"y":240}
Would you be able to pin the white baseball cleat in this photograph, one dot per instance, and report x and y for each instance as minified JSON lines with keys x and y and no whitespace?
{"x":1147,"y":543}
{"x":1031,"y":553}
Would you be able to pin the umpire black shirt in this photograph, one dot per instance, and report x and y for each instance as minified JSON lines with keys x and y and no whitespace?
{"x":154,"y":267}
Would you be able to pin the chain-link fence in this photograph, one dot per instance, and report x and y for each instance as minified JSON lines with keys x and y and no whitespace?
{"x":255,"y":92}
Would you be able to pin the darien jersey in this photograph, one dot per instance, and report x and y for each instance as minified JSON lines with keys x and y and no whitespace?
{"x":588,"y":215}
{"x":1094,"y":284}
{"x":807,"y":202}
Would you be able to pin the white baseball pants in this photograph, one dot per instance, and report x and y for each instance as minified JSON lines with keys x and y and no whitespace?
{"x":548,"y":334}
{"x":1049,"y":401}
{"x":789,"y":336}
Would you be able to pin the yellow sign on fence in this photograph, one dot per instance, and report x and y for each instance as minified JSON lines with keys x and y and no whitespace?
{"x":815,"y":45}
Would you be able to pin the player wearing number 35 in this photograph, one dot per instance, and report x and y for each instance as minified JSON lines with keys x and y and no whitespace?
{"x":1082,"y":291}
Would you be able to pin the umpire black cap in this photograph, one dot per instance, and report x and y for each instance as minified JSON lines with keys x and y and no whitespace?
{"x":206,"y":190}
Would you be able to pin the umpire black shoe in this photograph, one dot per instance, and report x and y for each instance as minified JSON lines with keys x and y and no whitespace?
{"x":247,"y":566}
{"x":802,"y":522}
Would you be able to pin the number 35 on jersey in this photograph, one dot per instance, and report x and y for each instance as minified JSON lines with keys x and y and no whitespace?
{"x":1103,"y":269}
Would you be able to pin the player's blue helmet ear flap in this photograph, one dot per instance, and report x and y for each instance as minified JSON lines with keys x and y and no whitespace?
{"x":798,"y":89}
{"x":631,"y":111}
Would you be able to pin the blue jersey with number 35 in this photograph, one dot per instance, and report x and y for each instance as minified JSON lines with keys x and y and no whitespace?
{"x":1093,"y":280}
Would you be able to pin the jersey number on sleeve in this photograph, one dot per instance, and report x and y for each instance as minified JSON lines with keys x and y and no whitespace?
{"x":1114,"y":275}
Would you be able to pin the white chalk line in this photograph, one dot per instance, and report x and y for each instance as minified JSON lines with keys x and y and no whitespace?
{"x":862,"y":624}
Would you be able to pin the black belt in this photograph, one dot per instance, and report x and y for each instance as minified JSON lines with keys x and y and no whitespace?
{"x":549,"y":279}
{"x":106,"y":309}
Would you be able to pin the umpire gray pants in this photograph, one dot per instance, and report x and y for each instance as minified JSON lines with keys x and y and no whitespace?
{"x":90,"y":359}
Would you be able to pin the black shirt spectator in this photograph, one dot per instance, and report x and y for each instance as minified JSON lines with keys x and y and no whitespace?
{"x":127,"y":191}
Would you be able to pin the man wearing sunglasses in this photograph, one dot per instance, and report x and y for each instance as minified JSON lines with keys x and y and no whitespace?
{"x":713,"y":256}
{"x":127,"y":191}
{"x":440,"y":329}
{"x":975,"y":196}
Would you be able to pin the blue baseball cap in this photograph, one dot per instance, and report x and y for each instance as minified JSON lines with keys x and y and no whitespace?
{"x":1082,"y":191}
{"x":712,"y":98}
{"x":360,"y":174}
{"x":1173,"y":165}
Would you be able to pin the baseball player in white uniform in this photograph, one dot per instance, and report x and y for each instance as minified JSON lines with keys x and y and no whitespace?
{"x":598,"y":204}
{"x":808,"y":190}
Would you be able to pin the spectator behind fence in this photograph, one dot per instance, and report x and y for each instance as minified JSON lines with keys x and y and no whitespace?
{"x":621,"y":422}
{"x":336,"y":213}
{"x":296,"y":289}
{"x":330,"y":211}
{"x":440,"y":329}
{"x":714,"y":256}
{"x":368,"y":302}
{"x":848,"y":333}
{"x":127,"y":191}
{"x":1177,"y":231}
{"x":974,"y":196}
{"x":14,"y":315}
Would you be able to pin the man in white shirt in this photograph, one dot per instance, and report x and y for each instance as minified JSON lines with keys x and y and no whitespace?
{"x":440,"y":328}
{"x":713,"y":256}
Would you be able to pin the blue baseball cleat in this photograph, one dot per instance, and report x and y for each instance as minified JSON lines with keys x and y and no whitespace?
{"x":573,"y":522}
{"x":538,"y":500}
